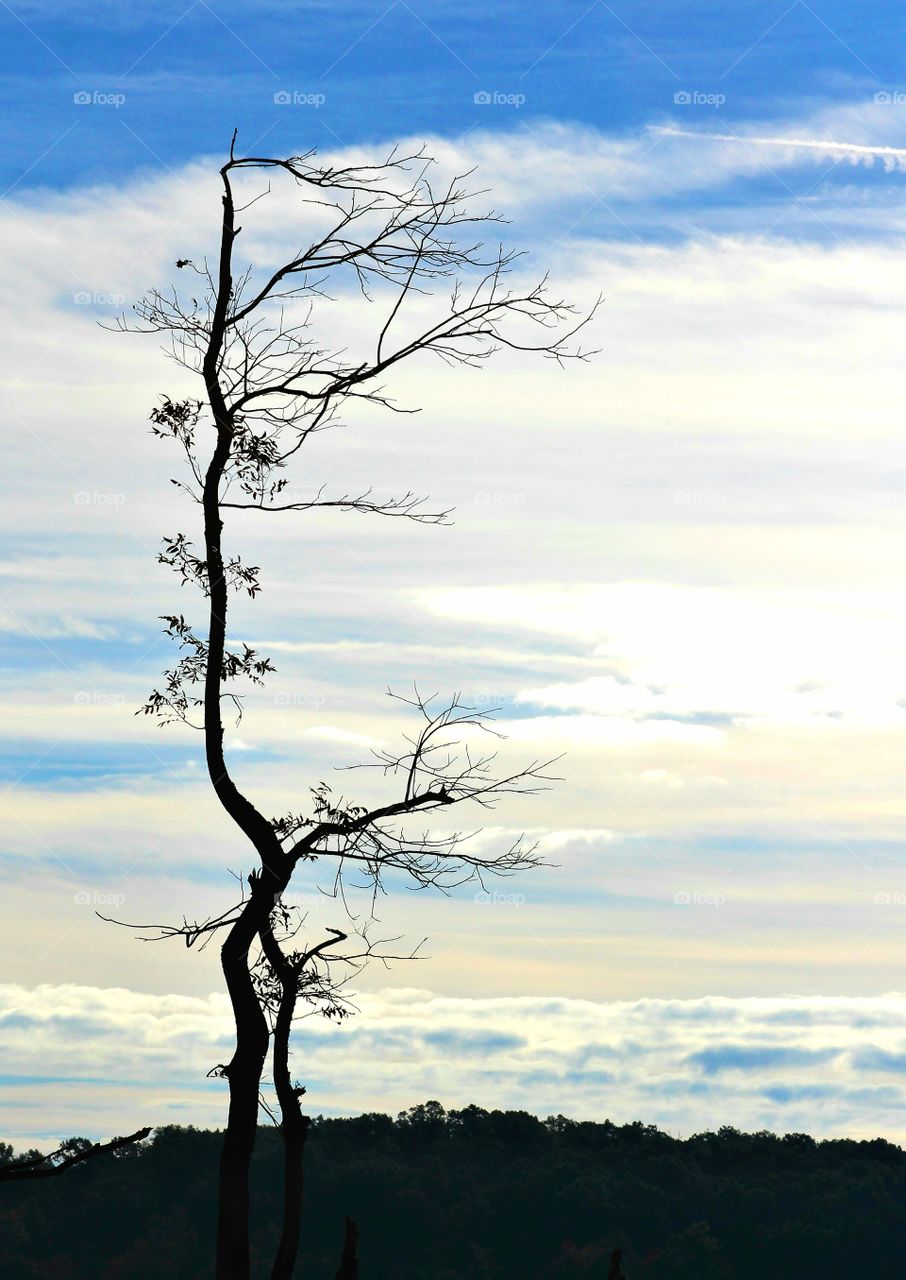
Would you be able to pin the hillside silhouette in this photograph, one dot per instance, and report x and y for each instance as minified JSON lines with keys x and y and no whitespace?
{"x":482,"y":1195}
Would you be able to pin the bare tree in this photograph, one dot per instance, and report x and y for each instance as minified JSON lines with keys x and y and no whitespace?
{"x":270,"y":383}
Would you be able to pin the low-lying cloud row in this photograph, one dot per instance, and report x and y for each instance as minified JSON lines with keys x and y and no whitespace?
{"x":112,"y":1059}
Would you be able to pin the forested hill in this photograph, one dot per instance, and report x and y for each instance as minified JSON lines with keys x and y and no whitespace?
{"x":478,"y":1195}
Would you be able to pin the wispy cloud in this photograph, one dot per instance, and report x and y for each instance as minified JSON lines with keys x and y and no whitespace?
{"x":859,"y":153}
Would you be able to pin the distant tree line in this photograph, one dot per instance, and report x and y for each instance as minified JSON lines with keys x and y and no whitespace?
{"x":481,"y":1195}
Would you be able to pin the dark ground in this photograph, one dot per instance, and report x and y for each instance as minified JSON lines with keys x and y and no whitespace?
{"x":478,"y":1195}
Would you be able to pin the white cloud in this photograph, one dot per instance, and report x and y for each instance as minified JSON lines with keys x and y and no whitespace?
{"x":332,"y":733}
{"x":696,"y":652}
{"x":826,"y":1064}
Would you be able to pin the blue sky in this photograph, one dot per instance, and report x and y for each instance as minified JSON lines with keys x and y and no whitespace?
{"x":681,"y":564}
{"x":188,"y":73}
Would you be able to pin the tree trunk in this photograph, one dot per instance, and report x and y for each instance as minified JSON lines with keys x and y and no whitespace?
{"x":294,"y":1125}
{"x":244,"y":1075}
{"x":349,"y":1266}
{"x":252,"y":1033}
{"x":295,"y":1131}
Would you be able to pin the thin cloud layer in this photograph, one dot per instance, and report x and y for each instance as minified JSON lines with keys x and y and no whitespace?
{"x":112,"y":1059}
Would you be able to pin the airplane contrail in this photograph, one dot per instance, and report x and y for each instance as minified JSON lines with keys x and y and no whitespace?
{"x":854,"y":149}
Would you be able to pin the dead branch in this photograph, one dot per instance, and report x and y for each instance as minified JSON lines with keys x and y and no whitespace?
{"x":65,"y":1157}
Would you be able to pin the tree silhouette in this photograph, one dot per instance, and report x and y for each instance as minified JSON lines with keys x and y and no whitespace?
{"x":269,"y":385}
{"x":483,"y":1195}
{"x":74,"y":1152}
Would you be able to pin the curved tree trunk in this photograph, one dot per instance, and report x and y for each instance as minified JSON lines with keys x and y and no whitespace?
{"x":252,"y":1034}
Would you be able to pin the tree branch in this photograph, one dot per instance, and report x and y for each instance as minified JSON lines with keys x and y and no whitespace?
{"x":65,"y":1158}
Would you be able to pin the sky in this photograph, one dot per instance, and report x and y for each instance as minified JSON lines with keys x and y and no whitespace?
{"x":680,"y":564}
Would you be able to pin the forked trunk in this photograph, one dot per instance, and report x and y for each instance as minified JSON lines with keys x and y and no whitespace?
{"x":294,"y":1125}
{"x":244,"y":1077}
